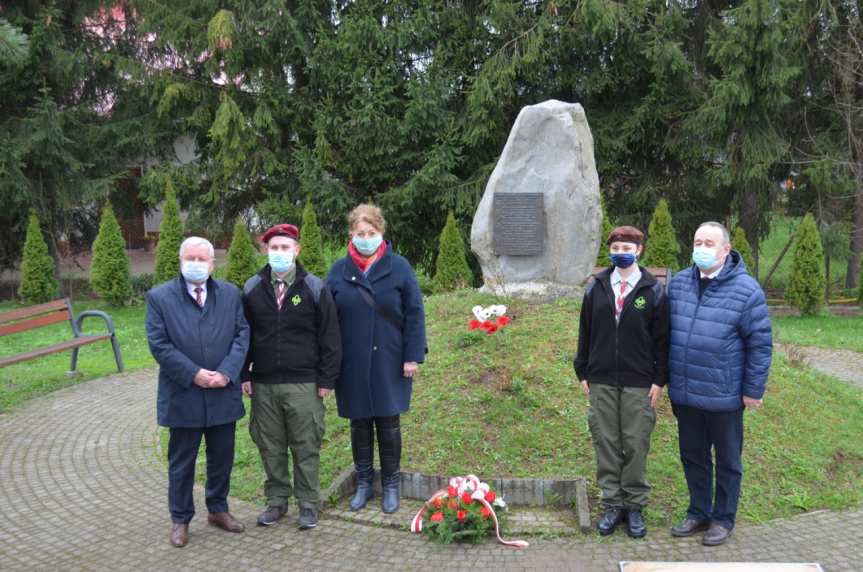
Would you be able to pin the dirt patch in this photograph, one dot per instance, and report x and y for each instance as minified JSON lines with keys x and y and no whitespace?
{"x":499,"y":378}
{"x":841,"y":459}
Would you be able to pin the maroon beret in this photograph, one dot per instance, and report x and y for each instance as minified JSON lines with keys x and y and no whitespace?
{"x":288,"y":230}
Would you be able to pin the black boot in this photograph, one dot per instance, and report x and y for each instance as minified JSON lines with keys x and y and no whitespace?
{"x":390,"y":450}
{"x":362,"y":447}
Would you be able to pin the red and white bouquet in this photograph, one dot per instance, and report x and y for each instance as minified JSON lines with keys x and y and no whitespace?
{"x":489,"y":320}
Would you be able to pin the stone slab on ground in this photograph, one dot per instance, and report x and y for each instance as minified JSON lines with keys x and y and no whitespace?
{"x":846,"y":365}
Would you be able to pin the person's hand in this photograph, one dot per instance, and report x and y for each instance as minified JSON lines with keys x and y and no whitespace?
{"x":653,"y":394}
{"x":203,"y":378}
{"x":585,"y":387}
{"x":218,"y":380}
{"x":247,"y":388}
{"x":751,"y":402}
{"x":323,"y":391}
{"x":411,"y":368}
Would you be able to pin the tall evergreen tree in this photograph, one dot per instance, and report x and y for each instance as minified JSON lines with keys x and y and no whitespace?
{"x":805,"y":289}
{"x":603,"y":258}
{"x":312,"y":254}
{"x":109,"y":269}
{"x":452,"y":270}
{"x":38,"y":283}
{"x":741,"y":245}
{"x":662,"y":249}
{"x":170,"y":237}
{"x":242,"y":256}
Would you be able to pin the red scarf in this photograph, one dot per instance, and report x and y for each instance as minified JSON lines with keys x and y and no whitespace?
{"x":363,"y":262}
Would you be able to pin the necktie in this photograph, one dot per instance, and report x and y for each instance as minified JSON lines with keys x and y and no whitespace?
{"x":280,"y":293}
{"x":199,"y":296}
{"x":620,"y":300}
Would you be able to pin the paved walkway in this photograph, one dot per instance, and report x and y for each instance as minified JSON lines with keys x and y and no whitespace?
{"x":81,"y":489}
{"x":846,"y":365}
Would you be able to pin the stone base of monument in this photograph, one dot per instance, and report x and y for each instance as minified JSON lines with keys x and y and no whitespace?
{"x":533,"y":291}
{"x":718,"y":567}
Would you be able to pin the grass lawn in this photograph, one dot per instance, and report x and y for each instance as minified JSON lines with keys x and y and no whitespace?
{"x":824,"y":331}
{"x":507,"y":405}
{"x":37,"y":377}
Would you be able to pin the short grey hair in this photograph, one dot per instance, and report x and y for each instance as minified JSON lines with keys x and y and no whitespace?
{"x":725,"y":234}
{"x":198,"y":241}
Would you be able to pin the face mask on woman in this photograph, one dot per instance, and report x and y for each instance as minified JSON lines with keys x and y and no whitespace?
{"x":367,"y":246}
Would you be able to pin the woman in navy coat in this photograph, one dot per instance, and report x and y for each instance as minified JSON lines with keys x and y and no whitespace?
{"x":382,"y":324}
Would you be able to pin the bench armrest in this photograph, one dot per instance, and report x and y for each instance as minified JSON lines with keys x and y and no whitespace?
{"x":76,"y":324}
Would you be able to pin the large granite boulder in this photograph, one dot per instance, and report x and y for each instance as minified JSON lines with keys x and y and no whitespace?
{"x":549,"y":231}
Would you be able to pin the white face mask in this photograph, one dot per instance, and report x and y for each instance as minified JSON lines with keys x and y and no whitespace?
{"x":195,"y":272}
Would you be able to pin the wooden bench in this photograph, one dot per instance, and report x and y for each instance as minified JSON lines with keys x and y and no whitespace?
{"x":33,"y":317}
{"x":662,"y":275}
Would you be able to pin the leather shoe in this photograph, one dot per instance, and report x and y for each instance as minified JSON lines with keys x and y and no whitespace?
{"x":689,"y":527}
{"x":225,"y":521}
{"x":180,"y":535}
{"x":609,"y":520}
{"x":635,"y":527}
{"x":716,"y":535}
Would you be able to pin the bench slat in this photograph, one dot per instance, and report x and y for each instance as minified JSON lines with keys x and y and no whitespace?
{"x":34,"y":323}
{"x":29,"y":311}
{"x":62,"y":346}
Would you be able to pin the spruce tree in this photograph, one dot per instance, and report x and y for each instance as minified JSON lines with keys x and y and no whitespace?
{"x":806,"y":286}
{"x":38,"y":283}
{"x":602,"y":257}
{"x":170,"y":238}
{"x":662,"y":249}
{"x":109,"y":270}
{"x":312,"y":254}
{"x":242,"y":256}
{"x":452,"y":270}
{"x":741,"y":245}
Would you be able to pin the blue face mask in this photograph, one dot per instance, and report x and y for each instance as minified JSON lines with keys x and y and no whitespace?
{"x":705,"y":258}
{"x":281,"y":261}
{"x":195,"y":272}
{"x":367,"y":246}
{"x":623,"y":260}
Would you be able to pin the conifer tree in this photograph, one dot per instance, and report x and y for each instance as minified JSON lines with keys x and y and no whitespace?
{"x":109,"y":271}
{"x":805,"y":289}
{"x":38,"y":283}
{"x":242,"y":257}
{"x":662,"y":249}
{"x":741,"y":245}
{"x":170,"y":238}
{"x":312,"y":254}
{"x":452,"y":270}
{"x":602,"y":257}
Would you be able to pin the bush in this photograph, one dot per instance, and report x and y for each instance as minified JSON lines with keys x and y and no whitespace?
{"x":38,"y":283}
{"x":452,"y":271}
{"x":741,"y":245}
{"x":109,"y":271}
{"x":806,"y":286}
{"x":860,"y":286}
{"x":242,"y":256}
{"x":662,"y":249}
{"x":141,"y":284}
{"x":170,"y":238}
{"x":602,"y":257}
{"x":312,"y":253}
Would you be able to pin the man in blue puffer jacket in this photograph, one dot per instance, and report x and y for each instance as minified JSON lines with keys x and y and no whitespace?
{"x":719,"y":357}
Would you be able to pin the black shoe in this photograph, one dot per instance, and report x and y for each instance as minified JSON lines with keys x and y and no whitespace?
{"x":272,"y":515}
{"x":390,"y":448}
{"x":635,"y":527}
{"x":609,"y":520}
{"x":362,"y":439}
{"x":308,"y":518}
{"x":716,"y":535}
{"x":689,"y":527}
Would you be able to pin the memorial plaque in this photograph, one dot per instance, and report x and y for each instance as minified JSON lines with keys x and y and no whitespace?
{"x":518,"y":224}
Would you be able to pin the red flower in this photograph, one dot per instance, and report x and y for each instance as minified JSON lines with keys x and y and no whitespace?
{"x":491,"y":329}
{"x":452,"y":491}
{"x":473,"y":325}
{"x":437,"y":502}
{"x":452,"y":504}
{"x":466,"y":498}
{"x":461,"y":515}
{"x":485,"y":512}
{"x":490,"y":496}
{"x":486,"y":325}
{"x":437,"y":517}
{"x":502,"y":321}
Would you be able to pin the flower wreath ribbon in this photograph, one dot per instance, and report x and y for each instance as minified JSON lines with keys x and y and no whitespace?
{"x":478,"y":489}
